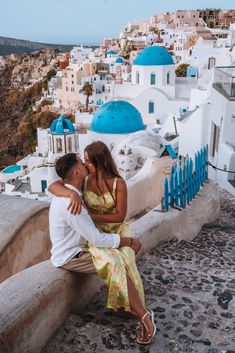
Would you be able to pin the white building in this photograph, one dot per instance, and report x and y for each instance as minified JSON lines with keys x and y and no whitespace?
{"x":153,"y":89}
{"x":213,"y":120}
{"x":79,"y":54}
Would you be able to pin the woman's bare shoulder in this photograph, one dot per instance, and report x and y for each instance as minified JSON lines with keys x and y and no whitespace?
{"x":121,"y":184}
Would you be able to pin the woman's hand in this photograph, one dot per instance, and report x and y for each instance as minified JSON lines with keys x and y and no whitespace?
{"x":75,"y":203}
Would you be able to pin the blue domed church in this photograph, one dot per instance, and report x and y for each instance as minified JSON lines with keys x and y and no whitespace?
{"x":154,"y":67}
{"x":113,"y":122}
{"x":63,"y":138}
{"x":152,"y":89}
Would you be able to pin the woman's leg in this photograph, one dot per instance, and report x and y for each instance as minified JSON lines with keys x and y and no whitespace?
{"x":138,"y":308}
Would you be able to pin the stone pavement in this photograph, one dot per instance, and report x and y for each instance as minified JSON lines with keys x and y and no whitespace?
{"x":189,"y":285}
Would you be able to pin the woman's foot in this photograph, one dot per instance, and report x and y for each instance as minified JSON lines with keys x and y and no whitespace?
{"x":146,"y":328}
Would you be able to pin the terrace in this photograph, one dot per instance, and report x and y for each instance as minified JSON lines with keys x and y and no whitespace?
{"x":224,"y":81}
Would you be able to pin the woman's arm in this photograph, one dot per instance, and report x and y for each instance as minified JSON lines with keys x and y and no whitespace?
{"x":58,"y":189}
{"x":121,"y":206}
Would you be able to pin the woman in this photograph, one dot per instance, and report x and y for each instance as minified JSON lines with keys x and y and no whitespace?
{"x":105,"y":196}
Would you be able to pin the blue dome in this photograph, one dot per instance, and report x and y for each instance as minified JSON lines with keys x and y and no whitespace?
{"x":119,"y":61}
{"x":62,"y":126}
{"x":111,"y":52}
{"x":117,"y":117}
{"x":154,"y":56}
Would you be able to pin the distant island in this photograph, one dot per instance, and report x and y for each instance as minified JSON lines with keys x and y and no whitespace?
{"x":18,"y":46}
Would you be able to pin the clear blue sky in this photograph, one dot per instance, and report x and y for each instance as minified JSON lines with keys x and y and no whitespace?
{"x":87,"y":21}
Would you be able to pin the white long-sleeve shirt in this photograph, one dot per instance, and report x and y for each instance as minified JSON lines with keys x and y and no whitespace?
{"x":70,"y":233}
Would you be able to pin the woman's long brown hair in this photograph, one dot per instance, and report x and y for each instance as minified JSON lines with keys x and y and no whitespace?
{"x":101,"y":158}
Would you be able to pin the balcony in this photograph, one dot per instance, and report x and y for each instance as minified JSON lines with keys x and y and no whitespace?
{"x":224,"y":81}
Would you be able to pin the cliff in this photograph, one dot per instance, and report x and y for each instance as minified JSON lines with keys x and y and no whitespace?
{"x":23,"y":79}
{"x":18,"y":46}
{"x":14,"y":46}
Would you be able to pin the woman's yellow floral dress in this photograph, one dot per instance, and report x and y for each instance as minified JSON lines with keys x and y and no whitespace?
{"x":113,"y":264}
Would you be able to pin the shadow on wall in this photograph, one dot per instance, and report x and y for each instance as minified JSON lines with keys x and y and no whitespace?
{"x":24,"y":234}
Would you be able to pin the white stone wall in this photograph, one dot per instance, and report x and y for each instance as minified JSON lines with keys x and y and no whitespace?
{"x":191,"y":133}
{"x":221,"y":114}
{"x":109,"y":139}
{"x":161,"y":73}
{"x":36,"y":177}
{"x":162,"y":104}
{"x":42,"y":137}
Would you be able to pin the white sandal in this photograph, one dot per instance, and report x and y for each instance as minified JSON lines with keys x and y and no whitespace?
{"x":141,"y":322}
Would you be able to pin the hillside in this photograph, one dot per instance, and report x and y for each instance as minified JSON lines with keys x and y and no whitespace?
{"x":18,"y":46}
{"x":18,"y":117}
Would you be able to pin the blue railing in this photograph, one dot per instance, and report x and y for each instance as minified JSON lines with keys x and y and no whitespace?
{"x":185,"y":181}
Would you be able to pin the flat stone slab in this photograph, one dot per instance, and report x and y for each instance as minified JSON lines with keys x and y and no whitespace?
{"x":14,"y":215}
{"x":190,"y":285}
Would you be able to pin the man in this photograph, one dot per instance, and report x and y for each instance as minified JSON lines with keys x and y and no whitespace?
{"x":70,"y":233}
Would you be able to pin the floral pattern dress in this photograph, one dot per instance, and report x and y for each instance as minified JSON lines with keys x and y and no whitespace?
{"x":113,"y":264}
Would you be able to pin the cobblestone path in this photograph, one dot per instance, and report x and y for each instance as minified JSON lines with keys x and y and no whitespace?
{"x":189,"y":285}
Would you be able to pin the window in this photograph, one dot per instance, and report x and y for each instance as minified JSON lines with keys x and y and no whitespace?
{"x":168,"y":78}
{"x":137,"y":77}
{"x":59,"y":145}
{"x":70,"y":144}
{"x":211,"y":62}
{"x":50,"y":144}
{"x":151,"y":107}
{"x":153,"y":79}
{"x":43,"y":185}
{"x":214,"y":139}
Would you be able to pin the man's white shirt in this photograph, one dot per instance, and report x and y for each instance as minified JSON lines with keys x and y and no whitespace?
{"x":70,"y":233}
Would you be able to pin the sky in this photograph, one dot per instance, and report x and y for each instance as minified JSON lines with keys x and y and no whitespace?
{"x":84,"y":21}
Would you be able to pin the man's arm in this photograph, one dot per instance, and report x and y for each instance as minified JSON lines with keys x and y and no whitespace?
{"x":84,"y":224}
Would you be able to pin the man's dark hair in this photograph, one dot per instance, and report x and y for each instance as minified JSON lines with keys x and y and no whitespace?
{"x":65,"y":164}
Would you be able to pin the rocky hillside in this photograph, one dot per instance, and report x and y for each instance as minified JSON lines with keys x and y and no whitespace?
{"x":23,"y":79}
{"x":19,"y":46}
{"x":14,"y":46}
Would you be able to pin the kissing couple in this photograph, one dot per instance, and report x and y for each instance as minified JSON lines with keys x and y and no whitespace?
{"x":89,"y":234}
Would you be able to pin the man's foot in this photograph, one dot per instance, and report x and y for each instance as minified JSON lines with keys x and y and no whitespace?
{"x":146,"y":328}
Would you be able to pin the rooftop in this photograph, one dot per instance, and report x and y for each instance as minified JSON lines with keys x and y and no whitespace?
{"x":117,"y":117}
{"x":154,"y":56}
{"x":61,"y":126}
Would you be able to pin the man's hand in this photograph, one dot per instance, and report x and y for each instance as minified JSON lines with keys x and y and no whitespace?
{"x":136,"y":245}
{"x":75,"y":203}
{"x":133,"y":243}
